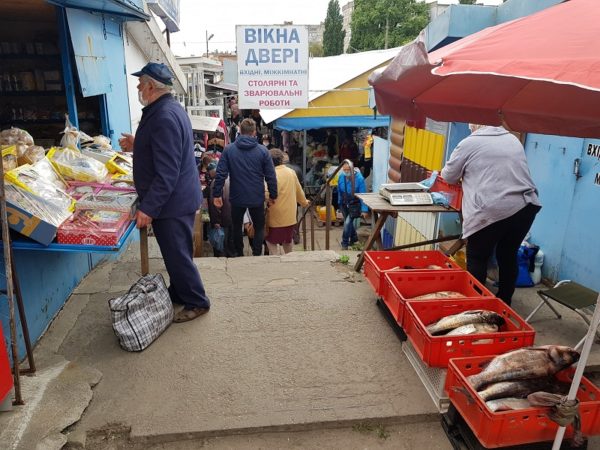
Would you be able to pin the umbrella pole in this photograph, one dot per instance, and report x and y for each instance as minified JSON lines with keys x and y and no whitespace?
{"x":585,"y":353}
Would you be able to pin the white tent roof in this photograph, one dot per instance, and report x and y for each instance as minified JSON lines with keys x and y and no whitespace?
{"x":332,"y":71}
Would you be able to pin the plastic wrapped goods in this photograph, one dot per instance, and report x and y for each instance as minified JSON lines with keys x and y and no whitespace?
{"x":29,"y":154}
{"x":9,"y":157}
{"x":35,"y":205}
{"x":15,"y":136}
{"x":99,"y":153}
{"x":28,"y":178}
{"x":122,"y":180}
{"x":74,"y":165}
{"x":47,"y":171}
{"x":93,"y":227}
{"x":108,"y":200}
{"x":120,"y":163}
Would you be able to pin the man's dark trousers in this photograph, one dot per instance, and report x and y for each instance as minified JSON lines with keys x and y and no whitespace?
{"x":257,"y":214}
{"x":175,"y":239}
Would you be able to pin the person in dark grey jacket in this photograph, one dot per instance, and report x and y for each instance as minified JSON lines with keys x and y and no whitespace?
{"x":248,"y":165}
{"x":499,"y":201}
{"x":166,"y":180}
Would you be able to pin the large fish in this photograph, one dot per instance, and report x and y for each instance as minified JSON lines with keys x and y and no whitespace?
{"x":448,"y":323}
{"x":473,"y":328}
{"x":508,"y":404}
{"x":525,"y":363}
{"x":517,"y":388}
{"x":438,"y":295}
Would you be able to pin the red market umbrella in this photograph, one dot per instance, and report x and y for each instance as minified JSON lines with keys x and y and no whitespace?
{"x":540,"y":73}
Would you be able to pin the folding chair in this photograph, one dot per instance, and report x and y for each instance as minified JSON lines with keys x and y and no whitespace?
{"x":574,"y":296}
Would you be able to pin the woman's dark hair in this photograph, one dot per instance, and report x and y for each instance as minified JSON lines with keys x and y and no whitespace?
{"x":276,"y":156}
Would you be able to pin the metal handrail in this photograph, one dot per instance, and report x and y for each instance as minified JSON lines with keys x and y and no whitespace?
{"x":325,"y":187}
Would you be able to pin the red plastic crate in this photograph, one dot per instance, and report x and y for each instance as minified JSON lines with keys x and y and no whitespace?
{"x":436,"y":351}
{"x":6,"y":379}
{"x":452,"y":191}
{"x":508,"y":428}
{"x":378,"y":262}
{"x":402,"y":286}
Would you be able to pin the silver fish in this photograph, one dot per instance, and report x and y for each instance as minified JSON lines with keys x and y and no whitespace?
{"x":438,"y":295}
{"x":448,"y":323}
{"x":473,"y":328}
{"x":516,"y":388}
{"x":525,"y":363}
{"x":508,"y":404}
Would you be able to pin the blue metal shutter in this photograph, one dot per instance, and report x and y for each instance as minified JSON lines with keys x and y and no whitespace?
{"x":88,"y":35}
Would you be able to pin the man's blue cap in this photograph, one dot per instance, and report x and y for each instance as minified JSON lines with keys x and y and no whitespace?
{"x":158,"y":71}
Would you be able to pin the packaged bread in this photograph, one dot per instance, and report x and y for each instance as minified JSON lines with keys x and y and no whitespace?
{"x":9,"y":157}
{"x":73,"y":165}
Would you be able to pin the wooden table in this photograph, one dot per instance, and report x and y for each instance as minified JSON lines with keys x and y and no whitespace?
{"x":381,"y":210}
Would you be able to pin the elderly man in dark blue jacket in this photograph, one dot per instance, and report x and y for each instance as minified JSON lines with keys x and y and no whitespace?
{"x":166,"y":180}
{"x":248,"y":165}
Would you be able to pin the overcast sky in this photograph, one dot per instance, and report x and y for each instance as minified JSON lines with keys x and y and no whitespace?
{"x":219,"y":18}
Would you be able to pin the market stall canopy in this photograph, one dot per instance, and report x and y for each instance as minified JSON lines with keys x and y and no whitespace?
{"x":540,"y":74}
{"x":128,"y":9}
{"x":338,"y":93}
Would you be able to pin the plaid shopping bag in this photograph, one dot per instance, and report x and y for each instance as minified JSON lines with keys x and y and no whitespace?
{"x":141,"y":315}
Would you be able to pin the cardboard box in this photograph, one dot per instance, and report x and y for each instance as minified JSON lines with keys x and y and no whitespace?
{"x":29,"y":225}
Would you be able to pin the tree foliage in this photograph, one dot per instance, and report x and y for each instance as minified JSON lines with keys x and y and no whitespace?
{"x":333,"y":34}
{"x":467,"y":2}
{"x":315,"y":49}
{"x":404,"y":20}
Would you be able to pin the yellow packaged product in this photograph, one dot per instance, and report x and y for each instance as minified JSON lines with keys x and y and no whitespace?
{"x":122,"y":180}
{"x":9,"y":157}
{"x":120,"y":163}
{"x":47,"y":171}
{"x":29,"y":154}
{"x":74,"y":165}
{"x":29,"y":179}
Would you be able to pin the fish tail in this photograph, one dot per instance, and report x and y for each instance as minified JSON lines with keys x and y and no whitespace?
{"x":476,"y":381}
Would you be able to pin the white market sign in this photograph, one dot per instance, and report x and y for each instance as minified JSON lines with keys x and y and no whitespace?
{"x":272,"y":66}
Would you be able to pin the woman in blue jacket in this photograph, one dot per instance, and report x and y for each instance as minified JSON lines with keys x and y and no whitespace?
{"x":349,"y":235}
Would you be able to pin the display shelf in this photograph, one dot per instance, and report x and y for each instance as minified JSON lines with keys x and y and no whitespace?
{"x":41,"y":122}
{"x":32,"y":122}
{"x":55,"y":247}
{"x":26,"y":56}
{"x":33,"y":93}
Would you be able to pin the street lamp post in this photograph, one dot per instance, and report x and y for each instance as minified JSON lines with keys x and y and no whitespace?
{"x":208,"y":38}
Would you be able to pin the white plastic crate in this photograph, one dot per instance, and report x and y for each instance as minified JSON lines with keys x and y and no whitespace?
{"x":433,"y":378}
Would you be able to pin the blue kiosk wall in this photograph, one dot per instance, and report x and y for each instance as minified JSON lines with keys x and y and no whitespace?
{"x":48,"y":278}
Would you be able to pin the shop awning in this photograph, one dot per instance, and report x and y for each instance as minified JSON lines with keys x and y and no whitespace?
{"x":224,"y":86}
{"x":148,"y":37}
{"x":128,"y":9}
{"x":339,"y":89}
{"x":312,"y":123}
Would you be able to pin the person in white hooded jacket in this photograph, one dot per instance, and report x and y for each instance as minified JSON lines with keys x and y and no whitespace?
{"x":499,"y":202}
